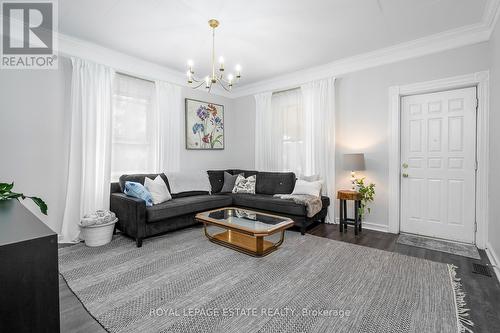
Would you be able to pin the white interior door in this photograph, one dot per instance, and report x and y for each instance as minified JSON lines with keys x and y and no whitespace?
{"x":438,"y":163}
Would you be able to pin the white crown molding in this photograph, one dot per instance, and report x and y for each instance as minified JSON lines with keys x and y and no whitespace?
{"x":494,"y":260}
{"x":74,"y":47}
{"x":451,"y":39}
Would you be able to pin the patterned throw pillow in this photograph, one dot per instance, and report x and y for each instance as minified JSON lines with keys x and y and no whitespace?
{"x":137,"y":190}
{"x":245,"y":185}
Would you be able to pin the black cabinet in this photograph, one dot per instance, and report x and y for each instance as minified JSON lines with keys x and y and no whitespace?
{"x":29,"y":279}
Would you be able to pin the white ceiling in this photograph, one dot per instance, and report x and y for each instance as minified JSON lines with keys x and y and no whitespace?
{"x":267,"y":38}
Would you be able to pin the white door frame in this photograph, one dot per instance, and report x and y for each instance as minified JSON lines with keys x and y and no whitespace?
{"x":479,"y":80}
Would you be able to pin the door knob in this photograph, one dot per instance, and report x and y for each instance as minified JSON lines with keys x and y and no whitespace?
{"x":405,"y":175}
{"x":405,"y":165}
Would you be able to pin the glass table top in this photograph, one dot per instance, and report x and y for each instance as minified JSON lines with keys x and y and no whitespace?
{"x":246,"y":219}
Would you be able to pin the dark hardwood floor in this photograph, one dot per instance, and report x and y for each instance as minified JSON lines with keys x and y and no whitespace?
{"x":483,"y":293}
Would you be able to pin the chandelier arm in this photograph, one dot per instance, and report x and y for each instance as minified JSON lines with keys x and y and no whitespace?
{"x":221,"y":83}
{"x":196,"y":87}
{"x":196,"y":80}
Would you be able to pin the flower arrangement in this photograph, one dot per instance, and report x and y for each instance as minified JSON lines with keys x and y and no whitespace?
{"x":367,"y":195}
{"x":209,"y":127}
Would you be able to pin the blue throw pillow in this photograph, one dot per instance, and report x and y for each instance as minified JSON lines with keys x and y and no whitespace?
{"x":137,"y":190}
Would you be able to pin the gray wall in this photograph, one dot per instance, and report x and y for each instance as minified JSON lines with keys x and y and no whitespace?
{"x":363,"y":111}
{"x":34,"y":118}
{"x":236,"y":152}
{"x":494,"y":203}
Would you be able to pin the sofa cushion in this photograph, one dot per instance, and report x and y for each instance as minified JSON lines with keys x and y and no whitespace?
{"x":268,"y":203}
{"x":275,"y":182}
{"x":186,"y":205}
{"x":244,"y":185}
{"x":216,"y":178}
{"x":229,"y":182}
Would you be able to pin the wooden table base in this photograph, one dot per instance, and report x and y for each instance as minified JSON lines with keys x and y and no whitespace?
{"x":255,"y":246}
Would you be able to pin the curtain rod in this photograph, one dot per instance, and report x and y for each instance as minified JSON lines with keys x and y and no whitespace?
{"x":286,"y":90}
{"x":134,"y":77}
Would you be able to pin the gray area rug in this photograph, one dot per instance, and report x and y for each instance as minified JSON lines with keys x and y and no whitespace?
{"x":180,"y":282}
{"x":464,"y":250}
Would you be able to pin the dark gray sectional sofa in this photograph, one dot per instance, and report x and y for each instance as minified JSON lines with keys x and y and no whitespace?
{"x":138,"y":221}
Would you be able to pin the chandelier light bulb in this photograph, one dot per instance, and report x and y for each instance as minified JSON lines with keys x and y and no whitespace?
{"x":221,"y":60}
{"x":190,"y":63}
{"x":230,"y":78}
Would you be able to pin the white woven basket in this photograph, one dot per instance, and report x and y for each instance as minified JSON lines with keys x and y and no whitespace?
{"x":98,"y":234}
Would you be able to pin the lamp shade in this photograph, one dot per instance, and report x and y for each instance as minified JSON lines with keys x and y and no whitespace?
{"x":354,"y":162}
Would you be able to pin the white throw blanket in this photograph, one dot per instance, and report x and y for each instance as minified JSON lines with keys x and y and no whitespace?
{"x":313,"y":203}
{"x":188,"y":181}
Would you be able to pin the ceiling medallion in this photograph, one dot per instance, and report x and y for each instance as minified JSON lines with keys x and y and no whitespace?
{"x":217,"y":76}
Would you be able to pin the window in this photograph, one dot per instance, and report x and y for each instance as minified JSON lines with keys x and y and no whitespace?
{"x":134,"y":127}
{"x":287,"y":106}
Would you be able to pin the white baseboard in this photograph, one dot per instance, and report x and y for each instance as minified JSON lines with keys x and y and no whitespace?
{"x":371,"y":226}
{"x":494,"y":259}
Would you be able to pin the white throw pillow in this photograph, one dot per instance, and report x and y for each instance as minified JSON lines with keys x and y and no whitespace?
{"x":158,"y":189}
{"x":305,"y":187}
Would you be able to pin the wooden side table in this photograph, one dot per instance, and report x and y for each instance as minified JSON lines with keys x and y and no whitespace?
{"x":344,"y":196}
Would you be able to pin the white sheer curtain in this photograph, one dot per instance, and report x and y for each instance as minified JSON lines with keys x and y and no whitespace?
{"x":319,"y":140}
{"x":279,"y":132}
{"x":135,"y":143}
{"x":288,"y":130}
{"x":90,"y":146}
{"x":265,"y":149}
{"x":169,"y":109}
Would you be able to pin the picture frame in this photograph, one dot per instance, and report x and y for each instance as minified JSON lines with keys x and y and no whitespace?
{"x":204,"y":125}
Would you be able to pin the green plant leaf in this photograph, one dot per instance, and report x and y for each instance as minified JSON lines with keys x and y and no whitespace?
{"x":6,"y":187}
{"x":40,"y":203}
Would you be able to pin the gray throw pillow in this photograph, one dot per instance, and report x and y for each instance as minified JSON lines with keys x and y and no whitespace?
{"x":229,"y":181}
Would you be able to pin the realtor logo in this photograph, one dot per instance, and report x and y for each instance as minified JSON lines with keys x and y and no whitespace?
{"x":28,"y":35}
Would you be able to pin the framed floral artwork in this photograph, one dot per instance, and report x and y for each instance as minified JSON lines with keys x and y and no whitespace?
{"x":204,"y":125}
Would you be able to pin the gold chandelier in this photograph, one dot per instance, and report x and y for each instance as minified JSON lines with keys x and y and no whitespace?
{"x":217,"y":76}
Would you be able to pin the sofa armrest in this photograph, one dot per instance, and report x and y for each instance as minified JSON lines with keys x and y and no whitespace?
{"x":131,"y":214}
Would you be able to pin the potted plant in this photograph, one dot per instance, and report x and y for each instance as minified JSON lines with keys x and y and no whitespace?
{"x":7,"y":194}
{"x":367,"y":193}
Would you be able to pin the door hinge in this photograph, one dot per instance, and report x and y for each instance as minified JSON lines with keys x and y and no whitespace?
{"x":476,"y":166}
{"x":477,"y":104}
{"x":475,"y":226}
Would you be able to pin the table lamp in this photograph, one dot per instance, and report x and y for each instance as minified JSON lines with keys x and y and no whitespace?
{"x":353,"y":163}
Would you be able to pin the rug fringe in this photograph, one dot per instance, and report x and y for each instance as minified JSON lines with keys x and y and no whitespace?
{"x":462,"y":311}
